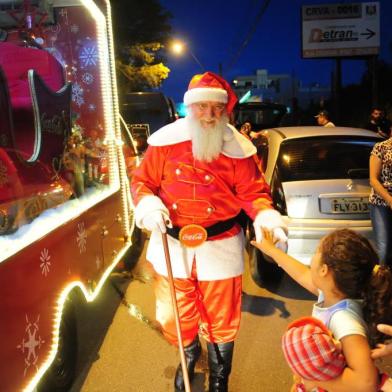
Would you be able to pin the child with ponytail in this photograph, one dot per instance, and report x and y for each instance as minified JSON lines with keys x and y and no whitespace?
{"x":354,"y":295}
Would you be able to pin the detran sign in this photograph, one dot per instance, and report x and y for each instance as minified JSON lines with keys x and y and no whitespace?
{"x":340,"y":30}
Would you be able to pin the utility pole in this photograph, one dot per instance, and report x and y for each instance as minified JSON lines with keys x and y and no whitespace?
{"x":337,"y":88}
{"x":220,"y":71}
{"x":372,"y":66}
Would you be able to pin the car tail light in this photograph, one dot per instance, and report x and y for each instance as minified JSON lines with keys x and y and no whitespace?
{"x":277,"y":194}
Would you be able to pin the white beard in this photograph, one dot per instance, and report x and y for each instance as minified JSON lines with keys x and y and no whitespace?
{"x":206,"y":143}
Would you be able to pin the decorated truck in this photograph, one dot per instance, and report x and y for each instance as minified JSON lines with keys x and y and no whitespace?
{"x":65,"y":208}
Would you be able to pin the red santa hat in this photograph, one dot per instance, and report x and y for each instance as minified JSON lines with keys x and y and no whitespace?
{"x":210,"y":87}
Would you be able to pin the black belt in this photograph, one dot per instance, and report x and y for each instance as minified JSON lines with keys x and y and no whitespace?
{"x":213,"y":230}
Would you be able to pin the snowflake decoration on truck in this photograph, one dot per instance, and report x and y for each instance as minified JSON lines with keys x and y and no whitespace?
{"x":89,"y":55}
{"x":81,"y":238}
{"x":45,"y":262}
{"x":87,"y":78}
{"x":31,"y":341}
{"x":77,"y":94}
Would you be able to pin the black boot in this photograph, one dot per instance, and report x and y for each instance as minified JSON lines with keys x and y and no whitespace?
{"x":192,"y":354}
{"x":219,"y":363}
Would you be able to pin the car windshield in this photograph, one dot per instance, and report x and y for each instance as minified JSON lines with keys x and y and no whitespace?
{"x":260,"y":115}
{"x":324,"y":158}
{"x":147,"y":108}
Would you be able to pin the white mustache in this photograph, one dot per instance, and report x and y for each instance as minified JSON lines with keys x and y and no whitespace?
{"x":206,"y":143}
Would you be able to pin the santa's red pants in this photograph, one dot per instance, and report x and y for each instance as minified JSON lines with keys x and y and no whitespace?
{"x":211,"y":308}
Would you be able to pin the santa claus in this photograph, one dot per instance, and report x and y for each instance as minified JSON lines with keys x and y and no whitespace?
{"x":197,"y":174}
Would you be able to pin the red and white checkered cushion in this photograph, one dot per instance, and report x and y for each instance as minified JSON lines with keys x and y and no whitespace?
{"x":310,"y":350}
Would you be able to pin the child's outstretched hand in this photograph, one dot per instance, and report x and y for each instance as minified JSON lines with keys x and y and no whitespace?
{"x":267,"y":243}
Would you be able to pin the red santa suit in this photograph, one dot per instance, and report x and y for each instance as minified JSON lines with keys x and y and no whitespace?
{"x":203,"y":193}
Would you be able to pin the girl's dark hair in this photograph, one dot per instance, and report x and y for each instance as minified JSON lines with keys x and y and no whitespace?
{"x":352,"y":260}
{"x":378,"y":303}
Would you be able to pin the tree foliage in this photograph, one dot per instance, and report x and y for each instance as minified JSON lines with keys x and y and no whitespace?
{"x":356,"y":100}
{"x":141,"y":28}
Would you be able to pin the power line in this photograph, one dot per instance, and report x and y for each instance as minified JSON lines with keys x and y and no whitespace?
{"x":249,"y":36}
{"x":248,"y":14}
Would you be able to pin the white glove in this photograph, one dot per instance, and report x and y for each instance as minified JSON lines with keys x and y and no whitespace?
{"x":280,"y":236}
{"x":272,"y":221}
{"x":151,"y":214}
{"x":157,"y":220}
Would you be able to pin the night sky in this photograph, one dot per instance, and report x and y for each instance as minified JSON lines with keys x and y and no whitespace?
{"x":215,"y":30}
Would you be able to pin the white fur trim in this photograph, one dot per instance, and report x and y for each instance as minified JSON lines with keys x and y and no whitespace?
{"x":176,"y":132}
{"x":215,"y":260}
{"x":147,"y":205}
{"x":235,"y":144}
{"x":205,"y":94}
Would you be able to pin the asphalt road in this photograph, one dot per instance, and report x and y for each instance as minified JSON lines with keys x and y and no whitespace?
{"x":122,"y":351}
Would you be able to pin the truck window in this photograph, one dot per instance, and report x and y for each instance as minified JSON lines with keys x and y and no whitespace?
{"x":55,"y":148}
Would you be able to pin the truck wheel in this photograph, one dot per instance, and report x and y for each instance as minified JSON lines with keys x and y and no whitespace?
{"x":133,"y":253}
{"x":61,"y":373}
{"x":264,"y":271}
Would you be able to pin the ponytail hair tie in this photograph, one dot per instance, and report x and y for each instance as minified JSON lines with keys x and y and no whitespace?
{"x":376,"y":268}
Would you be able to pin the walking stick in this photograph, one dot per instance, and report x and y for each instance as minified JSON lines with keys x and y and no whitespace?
{"x":175,"y":310}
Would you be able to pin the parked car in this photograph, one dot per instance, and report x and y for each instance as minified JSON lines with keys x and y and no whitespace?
{"x":319,"y":180}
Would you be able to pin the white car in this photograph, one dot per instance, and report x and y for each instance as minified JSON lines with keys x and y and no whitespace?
{"x":319,"y":179}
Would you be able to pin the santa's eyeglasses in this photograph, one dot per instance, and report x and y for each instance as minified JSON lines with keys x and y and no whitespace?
{"x":215,"y":107}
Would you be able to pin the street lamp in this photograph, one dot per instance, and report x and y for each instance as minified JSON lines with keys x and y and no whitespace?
{"x":179,"y":47}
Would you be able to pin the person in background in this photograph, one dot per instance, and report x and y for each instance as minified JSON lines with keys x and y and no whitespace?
{"x":380,"y":175}
{"x":378,"y":123}
{"x":196,"y":176}
{"x":246,"y":129}
{"x":323,"y":119}
{"x":254,"y":137}
{"x":383,"y":349}
{"x":354,"y":295}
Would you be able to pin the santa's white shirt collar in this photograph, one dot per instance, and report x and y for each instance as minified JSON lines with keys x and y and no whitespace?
{"x":235,"y":145}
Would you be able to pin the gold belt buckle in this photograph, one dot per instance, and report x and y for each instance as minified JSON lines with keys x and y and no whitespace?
{"x":192,"y":235}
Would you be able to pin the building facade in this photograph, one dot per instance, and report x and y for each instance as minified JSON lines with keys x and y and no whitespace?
{"x":280,"y":88}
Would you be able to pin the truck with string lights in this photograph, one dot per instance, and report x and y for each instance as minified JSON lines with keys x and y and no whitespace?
{"x":65,"y":208}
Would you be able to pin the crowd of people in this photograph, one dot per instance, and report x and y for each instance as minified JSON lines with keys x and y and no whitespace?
{"x":196,"y":177}
{"x":377,"y":122}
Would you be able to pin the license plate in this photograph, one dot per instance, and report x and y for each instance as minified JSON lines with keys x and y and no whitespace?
{"x":349,"y":205}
